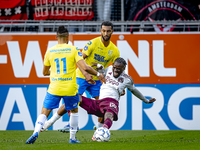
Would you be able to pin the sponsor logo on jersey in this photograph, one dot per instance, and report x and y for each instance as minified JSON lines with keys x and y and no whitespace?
{"x":80,"y":54}
{"x":100,"y":58}
{"x":111,"y":81}
{"x":60,"y":50}
{"x":85,"y":48}
{"x":100,"y":48}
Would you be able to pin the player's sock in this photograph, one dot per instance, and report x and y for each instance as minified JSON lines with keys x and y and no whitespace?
{"x":107,"y":123}
{"x":54,"y":118}
{"x":39,"y":123}
{"x":69,"y":113}
{"x":73,"y":125}
{"x":100,"y":124}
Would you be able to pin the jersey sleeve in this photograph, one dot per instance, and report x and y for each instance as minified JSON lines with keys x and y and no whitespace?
{"x":46,"y":59}
{"x":131,"y":87}
{"x":88,"y":48}
{"x":78,"y":55}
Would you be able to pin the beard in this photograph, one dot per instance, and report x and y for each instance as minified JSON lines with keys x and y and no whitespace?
{"x":106,"y":39}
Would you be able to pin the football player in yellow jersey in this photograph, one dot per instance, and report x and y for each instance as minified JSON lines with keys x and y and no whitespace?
{"x":62,"y":59}
{"x":97,"y":51}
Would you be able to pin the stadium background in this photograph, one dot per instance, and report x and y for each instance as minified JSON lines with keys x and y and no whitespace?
{"x":160,"y":42}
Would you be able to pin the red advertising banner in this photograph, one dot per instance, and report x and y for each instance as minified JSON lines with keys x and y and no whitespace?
{"x":152,"y":58}
{"x":13,"y":10}
{"x":62,"y":9}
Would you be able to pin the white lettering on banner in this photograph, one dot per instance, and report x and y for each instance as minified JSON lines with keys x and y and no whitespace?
{"x":174,"y":105}
{"x":3,"y":59}
{"x":80,"y":44}
{"x":41,"y":93}
{"x":53,"y":43}
{"x":15,"y":95}
{"x":152,"y":113}
{"x":136,"y":113}
{"x":33,"y":55}
{"x":140,"y":63}
{"x":158,"y":61}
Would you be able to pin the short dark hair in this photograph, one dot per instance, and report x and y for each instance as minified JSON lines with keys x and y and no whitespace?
{"x":107,"y":23}
{"x":62,"y":31}
{"x":121,"y":60}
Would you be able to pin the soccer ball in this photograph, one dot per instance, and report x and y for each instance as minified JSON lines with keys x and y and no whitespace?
{"x":102,"y":134}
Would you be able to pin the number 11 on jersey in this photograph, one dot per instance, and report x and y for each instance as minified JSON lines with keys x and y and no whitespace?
{"x":58,"y":65}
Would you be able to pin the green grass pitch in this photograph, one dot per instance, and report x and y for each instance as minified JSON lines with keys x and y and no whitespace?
{"x":121,"y":139}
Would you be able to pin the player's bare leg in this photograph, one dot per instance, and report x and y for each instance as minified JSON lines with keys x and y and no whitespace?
{"x":108,"y":119}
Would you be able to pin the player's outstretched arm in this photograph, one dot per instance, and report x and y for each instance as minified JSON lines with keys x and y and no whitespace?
{"x":90,"y":70}
{"x":152,"y":100}
{"x":88,"y":77}
{"x":139,"y":95}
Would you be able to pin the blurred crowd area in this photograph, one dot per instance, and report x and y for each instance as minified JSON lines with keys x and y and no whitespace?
{"x":127,"y":14}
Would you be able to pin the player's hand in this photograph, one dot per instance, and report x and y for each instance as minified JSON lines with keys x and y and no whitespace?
{"x":89,"y":78}
{"x":98,"y":66}
{"x":152,"y":100}
{"x":101,"y":77}
{"x":123,"y":93}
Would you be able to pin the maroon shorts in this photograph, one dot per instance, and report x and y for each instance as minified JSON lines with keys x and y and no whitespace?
{"x":99,"y":107}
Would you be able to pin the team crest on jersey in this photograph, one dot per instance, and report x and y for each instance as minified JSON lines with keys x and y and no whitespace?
{"x":80,"y":54}
{"x":77,"y":49}
{"x":121,"y":80}
{"x":85,"y":48}
{"x":110,"y":52}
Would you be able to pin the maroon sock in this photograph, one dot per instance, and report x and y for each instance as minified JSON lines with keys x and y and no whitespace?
{"x":107,"y":123}
{"x":69,"y":112}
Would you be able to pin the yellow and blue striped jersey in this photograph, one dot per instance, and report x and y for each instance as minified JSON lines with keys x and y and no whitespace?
{"x":98,"y":53}
{"x":62,"y":58}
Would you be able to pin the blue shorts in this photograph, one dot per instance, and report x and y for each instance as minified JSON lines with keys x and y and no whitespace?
{"x":52,"y":101}
{"x":92,"y":89}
